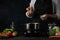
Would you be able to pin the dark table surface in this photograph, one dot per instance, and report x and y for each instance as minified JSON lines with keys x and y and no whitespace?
{"x":29,"y":38}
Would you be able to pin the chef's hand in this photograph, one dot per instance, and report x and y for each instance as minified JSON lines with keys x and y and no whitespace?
{"x":29,"y":11}
{"x":44,"y":17}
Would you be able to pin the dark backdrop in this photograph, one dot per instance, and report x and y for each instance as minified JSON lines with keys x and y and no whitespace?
{"x":13,"y":10}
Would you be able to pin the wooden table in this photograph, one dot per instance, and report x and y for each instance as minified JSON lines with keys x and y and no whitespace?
{"x":54,"y":36}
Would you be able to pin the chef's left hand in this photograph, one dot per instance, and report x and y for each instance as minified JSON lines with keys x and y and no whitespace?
{"x":44,"y":17}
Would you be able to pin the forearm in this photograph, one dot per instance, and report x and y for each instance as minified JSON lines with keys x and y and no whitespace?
{"x":53,"y":16}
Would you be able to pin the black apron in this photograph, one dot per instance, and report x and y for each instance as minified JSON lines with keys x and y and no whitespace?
{"x":41,"y":7}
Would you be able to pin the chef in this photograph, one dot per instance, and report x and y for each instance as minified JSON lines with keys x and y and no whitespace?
{"x":41,"y":10}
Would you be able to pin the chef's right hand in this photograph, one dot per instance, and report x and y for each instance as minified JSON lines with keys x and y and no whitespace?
{"x":29,"y":11}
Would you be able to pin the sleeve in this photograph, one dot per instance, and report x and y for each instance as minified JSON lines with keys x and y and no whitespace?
{"x":32,"y":3}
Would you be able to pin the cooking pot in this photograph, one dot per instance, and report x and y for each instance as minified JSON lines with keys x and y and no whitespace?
{"x":32,"y":27}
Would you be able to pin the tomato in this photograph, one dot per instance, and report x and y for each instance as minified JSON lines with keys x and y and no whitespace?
{"x":9,"y":34}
